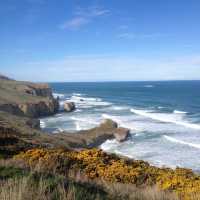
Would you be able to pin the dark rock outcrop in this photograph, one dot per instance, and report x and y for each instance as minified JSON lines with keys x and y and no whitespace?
{"x":33,"y":123}
{"x":69,"y":106}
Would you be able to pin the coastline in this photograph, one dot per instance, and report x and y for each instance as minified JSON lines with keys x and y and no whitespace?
{"x":23,"y":141}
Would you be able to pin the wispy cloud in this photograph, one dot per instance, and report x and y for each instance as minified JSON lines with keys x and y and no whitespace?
{"x":83,"y":16}
{"x":92,"y":68}
{"x":75,"y":23}
{"x":129,"y":35}
{"x":92,"y":11}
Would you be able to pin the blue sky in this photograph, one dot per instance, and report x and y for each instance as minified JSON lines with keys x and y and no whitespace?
{"x":100,"y":40}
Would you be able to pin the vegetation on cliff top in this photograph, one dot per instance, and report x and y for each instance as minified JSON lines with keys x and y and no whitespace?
{"x":97,"y":164}
{"x":12,"y":91}
{"x":20,"y":181}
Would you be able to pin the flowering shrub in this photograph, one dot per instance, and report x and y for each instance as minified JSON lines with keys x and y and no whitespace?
{"x":97,"y":164}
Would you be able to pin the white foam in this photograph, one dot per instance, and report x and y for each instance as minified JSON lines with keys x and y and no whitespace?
{"x":60,"y":130}
{"x":165,"y":117}
{"x":77,"y":94}
{"x":84,"y":123}
{"x":124,"y":121}
{"x":179,"y":112}
{"x":88,"y":102}
{"x":58,"y":115}
{"x":119,"y":108}
{"x":75,"y":97}
{"x":78,"y":128}
{"x":171,"y":139}
{"x":58,"y":95}
{"x":114,"y":118}
{"x":61,"y":105}
{"x":109,"y":144}
{"x":149,"y":86}
{"x":78,"y":110}
{"x":42,"y":124}
{"x":85,"y":119}
{"x":160,"y":107}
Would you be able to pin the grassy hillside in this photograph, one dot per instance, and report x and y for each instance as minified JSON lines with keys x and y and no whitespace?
{"x":96,"y":164}
{"x":18,"y":92}
{"x":20,"y":181}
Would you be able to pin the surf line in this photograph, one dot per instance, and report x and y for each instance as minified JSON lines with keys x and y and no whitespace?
{"x":162,"y":118}
{"x":182,"y":142}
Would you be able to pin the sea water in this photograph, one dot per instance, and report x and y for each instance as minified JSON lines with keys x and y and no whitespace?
{"x":164,"y":118}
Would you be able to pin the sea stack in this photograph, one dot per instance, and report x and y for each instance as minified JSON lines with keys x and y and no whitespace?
{"x":69,"y":106}
{"x":121,"y":134}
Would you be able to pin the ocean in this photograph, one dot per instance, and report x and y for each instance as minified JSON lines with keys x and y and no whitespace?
{"x":164,"y":118}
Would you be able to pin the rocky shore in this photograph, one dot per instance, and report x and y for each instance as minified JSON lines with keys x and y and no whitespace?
{"x":21,"y":103}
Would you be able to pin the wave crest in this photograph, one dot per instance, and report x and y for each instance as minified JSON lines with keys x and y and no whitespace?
{"x":171,"y":139}
{"x":166,"y":117}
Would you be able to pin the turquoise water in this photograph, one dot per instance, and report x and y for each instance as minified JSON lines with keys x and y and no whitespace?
{"x":164,"y":117}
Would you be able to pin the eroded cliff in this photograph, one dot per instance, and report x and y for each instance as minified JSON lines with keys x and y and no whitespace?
{"x":27,"y":99}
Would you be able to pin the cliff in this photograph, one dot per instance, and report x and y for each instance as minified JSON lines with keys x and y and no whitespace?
{"x":67,"y":153}
{"x":27,"y":99}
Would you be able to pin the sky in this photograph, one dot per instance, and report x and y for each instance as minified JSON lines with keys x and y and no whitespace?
{"x":100,"y":40}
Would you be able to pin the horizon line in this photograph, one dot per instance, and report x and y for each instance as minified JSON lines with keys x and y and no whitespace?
{"x":115,"y":81}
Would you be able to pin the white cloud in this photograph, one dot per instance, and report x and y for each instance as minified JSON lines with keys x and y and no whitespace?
{"x":83,"y":16}
{"x":75,"y":23}
{"x":118,"y":68}
{"x":92,"y":11}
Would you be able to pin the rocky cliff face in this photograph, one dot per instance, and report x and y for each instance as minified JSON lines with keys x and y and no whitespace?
{"x":27,"y":99}
{"x":41,"y":108}
{"x":42,"y":90}
{"x":11,"y":141}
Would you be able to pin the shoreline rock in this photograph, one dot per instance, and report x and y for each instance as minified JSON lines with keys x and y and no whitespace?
{"x":93,"y":137}
{"x":121,"y":134}
{"x":69,"y":106}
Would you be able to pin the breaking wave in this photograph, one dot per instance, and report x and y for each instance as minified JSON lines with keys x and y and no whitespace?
{"x":55,"y":95}
{"x":179,"y":112}
{"x":42,"y":124}
{"x":88,"y":102}
{"x":166,"y":117}
{"x":171,"y":139}
{"x":121,"y":121}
